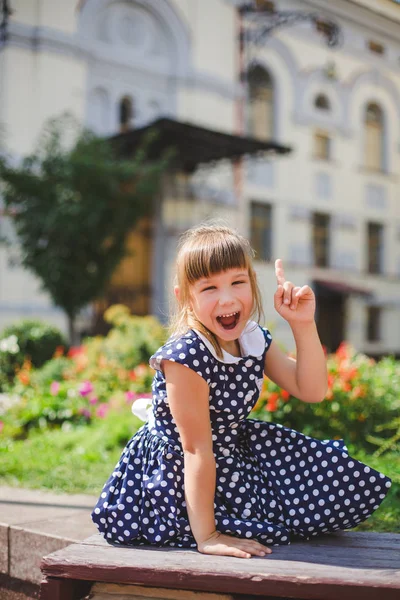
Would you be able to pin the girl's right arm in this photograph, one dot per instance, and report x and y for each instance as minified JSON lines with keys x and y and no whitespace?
{"x":188,"y":398}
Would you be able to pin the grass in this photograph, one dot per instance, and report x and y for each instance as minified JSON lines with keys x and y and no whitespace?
{"x":75,"y":461}
{"x":81,"y":459}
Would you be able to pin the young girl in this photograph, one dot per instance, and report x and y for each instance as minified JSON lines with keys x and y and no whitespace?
{"x":198,"y":473}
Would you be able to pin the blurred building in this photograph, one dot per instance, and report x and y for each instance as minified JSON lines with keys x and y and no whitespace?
{"x":329,"y":208}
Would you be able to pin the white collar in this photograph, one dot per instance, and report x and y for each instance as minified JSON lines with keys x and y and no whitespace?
{"x":251,"y":342}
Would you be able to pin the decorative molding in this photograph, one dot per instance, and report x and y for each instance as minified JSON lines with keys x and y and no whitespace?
{"x":162,"y":12}
{"x":45,"y":39}
{"x":360,"y":15}
{"x":310,"y":83}
{"x":377,"y":80}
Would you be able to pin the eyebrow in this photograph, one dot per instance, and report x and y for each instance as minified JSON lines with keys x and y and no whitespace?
{"x":202,"y":281}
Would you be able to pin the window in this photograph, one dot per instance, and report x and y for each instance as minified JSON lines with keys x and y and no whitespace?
{"x":261,"y":230}
{"x":374,"y":314}
{"x":375,"y":248}
{"x":322,"y":102}
{"x":374,"y":138}
{"x":376,"y":47}
{"x":322,"y":145}
{"x":125,"y":114}
{"x":321,"y":239}
{"x":261,"y":96}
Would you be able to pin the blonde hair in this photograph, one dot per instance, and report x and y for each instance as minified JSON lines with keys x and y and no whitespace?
{"x":205,"y":250}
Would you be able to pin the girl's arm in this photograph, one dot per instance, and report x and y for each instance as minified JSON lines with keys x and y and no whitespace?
{"x":306,"y":377}
{"x":188,"y":398}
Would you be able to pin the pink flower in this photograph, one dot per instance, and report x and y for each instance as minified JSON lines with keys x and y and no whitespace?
{"x":85,"y":412}
{"x":93,"y":400}
{"x":85,"y":388}
{"x":102,"y":410}
{"x":54,"y":387}
{"x":132,"y":396}
{"x":1,"y":426}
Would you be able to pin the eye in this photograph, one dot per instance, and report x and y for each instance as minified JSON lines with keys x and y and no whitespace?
{"x":236,"y":282}
{"x":210,"y":287}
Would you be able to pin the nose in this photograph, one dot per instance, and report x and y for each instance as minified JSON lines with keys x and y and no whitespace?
{"x":226,"y":298}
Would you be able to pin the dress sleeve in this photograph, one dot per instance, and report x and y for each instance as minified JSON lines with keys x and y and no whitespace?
{"x":189,"y":352}
{"x":267,"y":337}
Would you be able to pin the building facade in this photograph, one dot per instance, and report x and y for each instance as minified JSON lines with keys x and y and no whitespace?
{"x":329,"y":209}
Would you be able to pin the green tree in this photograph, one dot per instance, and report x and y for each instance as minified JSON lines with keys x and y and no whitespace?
{"x":73,"y":202}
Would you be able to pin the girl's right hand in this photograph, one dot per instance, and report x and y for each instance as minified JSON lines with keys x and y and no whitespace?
{"x":226,"y":545}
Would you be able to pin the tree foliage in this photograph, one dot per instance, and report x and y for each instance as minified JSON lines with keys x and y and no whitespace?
{"x":73,"y":202}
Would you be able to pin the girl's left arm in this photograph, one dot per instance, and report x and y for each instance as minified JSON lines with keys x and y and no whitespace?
{"x":306,"y":377}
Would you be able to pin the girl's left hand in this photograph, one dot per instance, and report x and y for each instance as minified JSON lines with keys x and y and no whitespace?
{"x":293,"y":303}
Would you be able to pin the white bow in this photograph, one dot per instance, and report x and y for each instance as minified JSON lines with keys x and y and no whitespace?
{"x":141,"y":408}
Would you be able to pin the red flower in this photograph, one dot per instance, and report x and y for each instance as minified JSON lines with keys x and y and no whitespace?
{"x":358,"y":392}
{"x":285,"y":395}
{"x":74,"y":350}
{"x":272,"y":403}
{"x":343,"y":351}
{"x":59,"y":351}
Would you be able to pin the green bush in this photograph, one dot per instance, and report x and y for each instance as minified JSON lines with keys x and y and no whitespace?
{"x":362,"y":405}
{"x":28,"y":340}
{"x":103,"y":374}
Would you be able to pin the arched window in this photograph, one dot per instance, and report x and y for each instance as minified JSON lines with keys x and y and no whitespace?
{"x":322,"y":102}
{"x":125,"y":114}
{"x":374,"y":138}
{"x":261,"y":96}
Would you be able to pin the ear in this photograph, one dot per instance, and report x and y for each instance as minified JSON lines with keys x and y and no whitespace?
{"x":177,"y":292}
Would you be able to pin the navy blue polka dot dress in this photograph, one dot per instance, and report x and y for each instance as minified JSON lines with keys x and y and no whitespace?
{"x":273,"y":484}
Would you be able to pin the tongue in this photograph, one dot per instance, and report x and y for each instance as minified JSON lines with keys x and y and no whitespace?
{"x":227,"y":321}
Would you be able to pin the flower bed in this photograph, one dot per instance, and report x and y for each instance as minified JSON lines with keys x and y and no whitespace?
{"x":103,"y":374}
{"x":362,"y":405}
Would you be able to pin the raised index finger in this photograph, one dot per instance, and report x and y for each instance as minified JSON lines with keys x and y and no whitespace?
{"x":279,"y":272}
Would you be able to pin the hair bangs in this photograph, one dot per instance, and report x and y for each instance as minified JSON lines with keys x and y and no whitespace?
{"x":219,"y":254}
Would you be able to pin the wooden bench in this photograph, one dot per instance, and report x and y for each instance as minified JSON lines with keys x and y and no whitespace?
{"x":340,"y":566}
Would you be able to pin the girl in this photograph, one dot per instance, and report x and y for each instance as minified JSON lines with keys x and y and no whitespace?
{"x":198,"y":474}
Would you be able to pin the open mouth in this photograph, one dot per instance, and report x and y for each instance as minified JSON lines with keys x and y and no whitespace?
{"x":229,"y":321}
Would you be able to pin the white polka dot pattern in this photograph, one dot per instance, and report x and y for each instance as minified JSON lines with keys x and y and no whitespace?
{"x":273,"y":483}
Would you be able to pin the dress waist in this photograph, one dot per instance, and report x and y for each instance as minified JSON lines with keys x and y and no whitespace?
{"x":225,"y":438}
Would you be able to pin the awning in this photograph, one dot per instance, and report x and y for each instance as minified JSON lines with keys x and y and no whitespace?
{"x":340,"y":287}
{"x":193,"y":144}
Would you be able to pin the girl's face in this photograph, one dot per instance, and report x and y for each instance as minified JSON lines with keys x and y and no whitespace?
{"x":223,"y":303}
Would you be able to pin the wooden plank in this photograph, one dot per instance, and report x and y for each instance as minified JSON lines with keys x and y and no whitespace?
{"x":348,"y":539}
{"x":112,"y":591}
{"x":382,"y":550}
{"x":63,"y":589}
{"x":284,"y":573}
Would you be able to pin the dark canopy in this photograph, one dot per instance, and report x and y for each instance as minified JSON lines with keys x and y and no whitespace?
{"x":341,"y":287}
{"x":193,"y":144}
